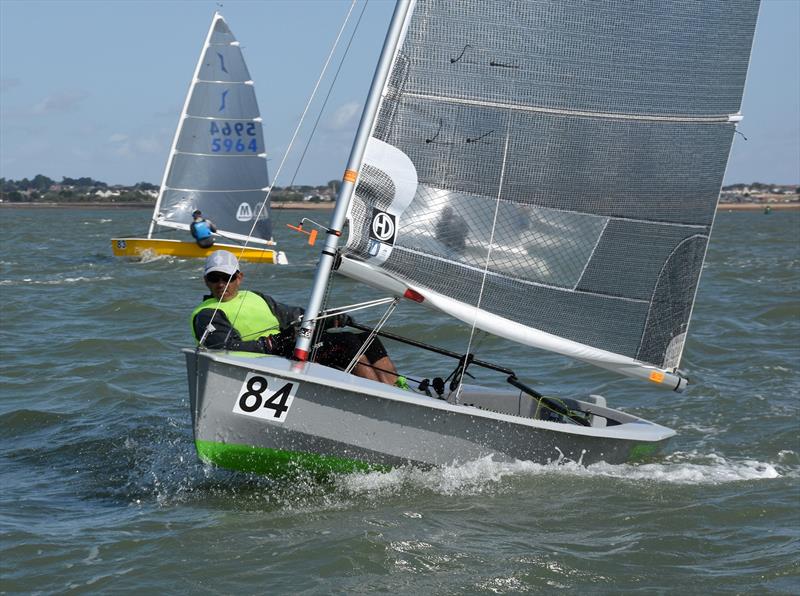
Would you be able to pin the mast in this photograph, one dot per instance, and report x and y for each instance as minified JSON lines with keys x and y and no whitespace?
{"x":175,"y":138}
{"x":402,"y":10}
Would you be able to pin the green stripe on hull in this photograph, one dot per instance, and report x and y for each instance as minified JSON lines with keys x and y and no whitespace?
{"x":263,"y":460}
{"x":642,"y":451}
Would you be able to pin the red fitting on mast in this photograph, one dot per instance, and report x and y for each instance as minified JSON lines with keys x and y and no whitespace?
{"x":301,"y":355}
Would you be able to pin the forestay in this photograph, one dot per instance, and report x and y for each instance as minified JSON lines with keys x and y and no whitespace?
{"x":550,"y":171}
{"x":218,"y":162}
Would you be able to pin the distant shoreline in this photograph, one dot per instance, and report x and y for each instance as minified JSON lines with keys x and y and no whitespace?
{"x":329,"y":205}
{"x":757,"y":206}
{"x":149,"y":206}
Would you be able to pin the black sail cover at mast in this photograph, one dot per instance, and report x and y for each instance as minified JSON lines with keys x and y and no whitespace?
{"x":550,"y":170}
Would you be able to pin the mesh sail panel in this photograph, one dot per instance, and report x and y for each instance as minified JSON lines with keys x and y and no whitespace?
{"x":219,"y":164}
{"x":567,"y":157}
{"x":677,"y":57}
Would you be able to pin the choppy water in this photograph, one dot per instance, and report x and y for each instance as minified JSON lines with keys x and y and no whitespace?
{"x":101,"y":490}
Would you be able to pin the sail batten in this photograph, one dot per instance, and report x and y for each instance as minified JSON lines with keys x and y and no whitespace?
{"x":555,"y":167}
{"x":530,"y":108}
{"x":243,"y":190}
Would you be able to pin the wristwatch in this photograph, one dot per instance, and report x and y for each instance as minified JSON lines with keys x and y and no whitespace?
{"x":265,"y":343}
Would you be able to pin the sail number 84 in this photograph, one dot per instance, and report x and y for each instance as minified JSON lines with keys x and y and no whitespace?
{"x":265,"y":397}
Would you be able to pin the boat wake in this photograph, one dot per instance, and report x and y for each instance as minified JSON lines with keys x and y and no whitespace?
{"x":480,"y":475}
{"x":168,"y":481}
{"x":151,"y":256}
{"x":53,"y":282}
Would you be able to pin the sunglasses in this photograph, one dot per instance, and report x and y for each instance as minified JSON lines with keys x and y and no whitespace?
{"x":217,"y":276}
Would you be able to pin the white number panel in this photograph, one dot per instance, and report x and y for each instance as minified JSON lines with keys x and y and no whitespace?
{"x":265,"y":397}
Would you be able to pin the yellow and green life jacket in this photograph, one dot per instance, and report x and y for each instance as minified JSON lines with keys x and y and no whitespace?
{"x":248,"y":313}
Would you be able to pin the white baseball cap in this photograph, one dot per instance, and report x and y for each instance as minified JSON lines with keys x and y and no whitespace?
{"x":222,"y":260}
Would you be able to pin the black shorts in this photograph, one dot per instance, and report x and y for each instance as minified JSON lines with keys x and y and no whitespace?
{"x":206,"y":242}
{"x":338,"y":349}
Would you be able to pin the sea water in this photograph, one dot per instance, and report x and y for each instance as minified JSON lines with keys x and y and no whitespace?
{"x":101,"y":491}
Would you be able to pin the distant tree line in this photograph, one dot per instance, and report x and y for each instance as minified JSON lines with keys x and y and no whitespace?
{"x":46,"y":190}
{"x":764,"y":187}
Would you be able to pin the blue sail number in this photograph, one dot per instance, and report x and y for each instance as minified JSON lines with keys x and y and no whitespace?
{"x":227,"y":137}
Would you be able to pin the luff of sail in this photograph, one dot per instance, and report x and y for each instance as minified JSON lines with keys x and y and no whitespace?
{"x":218,"y":162}
{"x":564,"y":160}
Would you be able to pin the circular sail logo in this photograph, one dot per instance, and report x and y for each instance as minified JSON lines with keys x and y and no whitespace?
{"x":244,"y":212}
{"x":383,"y":226}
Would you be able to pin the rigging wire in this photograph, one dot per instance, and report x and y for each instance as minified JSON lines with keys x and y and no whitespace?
{"x":488,"y":260}
{"x":317,"y":329}
{"x":303,"y":116}
{"x":330,"y":90}
{"x":372,"y":334}
{"x":285,"y":156}
{"x":327,"y":96}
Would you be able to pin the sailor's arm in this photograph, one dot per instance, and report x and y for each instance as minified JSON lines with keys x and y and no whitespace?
{"x":223,"y":336}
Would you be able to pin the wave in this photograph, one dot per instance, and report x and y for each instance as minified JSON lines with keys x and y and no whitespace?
{"x":151,"y":256}
{"x":23,"y":422}
{"x":53,"y":282}
{"x":477,"y":476}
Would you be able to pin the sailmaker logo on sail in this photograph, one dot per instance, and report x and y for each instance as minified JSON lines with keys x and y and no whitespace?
{"x":244,"y":213}
{"x":247,"y":213}
{"x":383,"y":226}
{"x":382,"y":231}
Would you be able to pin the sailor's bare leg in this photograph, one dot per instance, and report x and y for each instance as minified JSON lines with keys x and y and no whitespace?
{"x":385,"y":370}
{"x":363,"y":369}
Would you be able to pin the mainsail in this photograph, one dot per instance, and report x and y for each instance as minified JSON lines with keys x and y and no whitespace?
{"x":550,"y":171}
{"x":218,"y":163}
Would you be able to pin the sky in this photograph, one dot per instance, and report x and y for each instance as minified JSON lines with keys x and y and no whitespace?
{"x":95,"y":87}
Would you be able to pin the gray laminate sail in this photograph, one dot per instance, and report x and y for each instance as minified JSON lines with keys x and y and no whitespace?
{"x":550,"y":170}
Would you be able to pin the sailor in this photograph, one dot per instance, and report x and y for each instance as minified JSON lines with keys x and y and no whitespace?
{"x":202,"y":230}
{"x":250,"y":321}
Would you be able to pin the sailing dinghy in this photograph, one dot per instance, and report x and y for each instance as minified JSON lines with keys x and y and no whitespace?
{"x":544,"y":172}
{"x":217,"y":163}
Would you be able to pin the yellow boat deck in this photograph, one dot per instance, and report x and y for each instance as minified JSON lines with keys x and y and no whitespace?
{"x":138,"y":248}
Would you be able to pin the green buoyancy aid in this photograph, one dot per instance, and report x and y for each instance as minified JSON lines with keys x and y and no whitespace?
{"x":248,"y":313}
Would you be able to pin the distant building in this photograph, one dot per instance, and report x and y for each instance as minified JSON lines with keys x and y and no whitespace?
{"x":104,"y":194}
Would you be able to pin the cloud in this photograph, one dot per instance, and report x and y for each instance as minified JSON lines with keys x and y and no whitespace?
{"x":59,"y":103}
{"x":151,"y":145}
{"x":125,"y":146}
{"x":345,"y":117}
